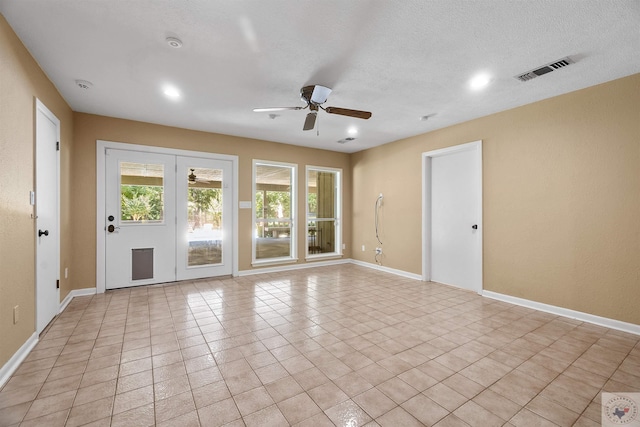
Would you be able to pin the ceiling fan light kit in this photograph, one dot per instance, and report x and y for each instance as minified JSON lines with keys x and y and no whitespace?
{"x":314,"y":96}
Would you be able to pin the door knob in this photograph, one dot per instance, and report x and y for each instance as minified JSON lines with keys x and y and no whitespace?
{"x":474,"y":226}
{"x":111,"y":228}
{"x":45,"y":232}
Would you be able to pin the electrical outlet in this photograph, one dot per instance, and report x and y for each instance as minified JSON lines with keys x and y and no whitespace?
{"x":363,"y":248}
{"x":66,"y":272}
{"x":378,"y":251}
{"x":16,"y":314}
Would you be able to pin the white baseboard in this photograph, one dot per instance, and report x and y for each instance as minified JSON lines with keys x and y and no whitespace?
{"x":75,"y":293}
{"x":565,"y":312}
{"x":10,"y":367}
{"x":388,"y":270}
{"x":289,"y":267}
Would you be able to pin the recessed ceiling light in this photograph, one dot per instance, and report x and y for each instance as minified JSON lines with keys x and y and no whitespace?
{"x":352,"y":131}
{"x":171,"y":92}
{"x":480,"y":81}
{"x":174,"y":42}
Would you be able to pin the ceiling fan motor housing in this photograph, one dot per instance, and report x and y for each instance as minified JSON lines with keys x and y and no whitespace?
{"x":306,"y":92}
{"x":315,"y":94}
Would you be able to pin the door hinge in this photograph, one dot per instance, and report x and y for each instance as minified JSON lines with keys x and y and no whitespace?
{"x":58,"y":284}
{"x":57,"y":145}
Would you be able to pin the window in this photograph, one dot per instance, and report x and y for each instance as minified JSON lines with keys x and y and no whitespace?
{"x":274,"y":212}
{"x":141,"y":193}
{"x":323,"y":212}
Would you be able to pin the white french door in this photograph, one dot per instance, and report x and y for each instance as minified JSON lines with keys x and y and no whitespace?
{"x":204,"y":203}
{"x":167,"y":218}
{"x":141,"y":218}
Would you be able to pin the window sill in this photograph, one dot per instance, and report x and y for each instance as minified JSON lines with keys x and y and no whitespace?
{"x":323,"y":257}
{"x":273,"y":261}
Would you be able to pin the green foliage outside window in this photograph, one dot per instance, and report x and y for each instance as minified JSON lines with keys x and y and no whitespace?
{"x":141,"y":203}
{"x":313,"y":204}
{"x":278,"y":204}
{"x":204,"y":206}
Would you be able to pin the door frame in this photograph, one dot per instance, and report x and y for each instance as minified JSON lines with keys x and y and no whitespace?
{"x":101,"y":213}
{"x":55,"y":234}
{"x":427,"y":184}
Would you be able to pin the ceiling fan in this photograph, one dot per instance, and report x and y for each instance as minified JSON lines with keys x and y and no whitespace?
{"x":194,"y":179}
{"x":314,"y":96}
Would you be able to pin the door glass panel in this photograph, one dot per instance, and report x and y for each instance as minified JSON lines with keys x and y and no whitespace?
{"x":204,"y":234}
{"x":141,"y":193}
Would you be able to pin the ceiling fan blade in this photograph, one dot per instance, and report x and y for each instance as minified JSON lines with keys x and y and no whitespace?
{"x":268,"y":110}
{"x":320,"y":94}
{"x":310,"y":121}
{"x":358,"y":114}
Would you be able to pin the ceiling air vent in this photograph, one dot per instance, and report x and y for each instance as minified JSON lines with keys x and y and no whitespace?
{"x":541,"y":71}
{"x":345,"y":140}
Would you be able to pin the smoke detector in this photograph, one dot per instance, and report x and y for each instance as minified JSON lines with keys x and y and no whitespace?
{"x":174,"y":42}
{"x":541,"y":71}
{"x":84,"y":84}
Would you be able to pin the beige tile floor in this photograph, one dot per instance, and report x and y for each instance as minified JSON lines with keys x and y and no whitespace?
{"x":342,"y":345}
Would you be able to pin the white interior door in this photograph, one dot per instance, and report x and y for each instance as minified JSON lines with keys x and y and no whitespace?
{"x":140,"y":223}
{"x":204,"y":205}
{"x":46,"y":211}
{"x":454,"y":216}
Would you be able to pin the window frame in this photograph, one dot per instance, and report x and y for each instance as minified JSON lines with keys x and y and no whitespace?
{"x":145,"y":222}
{"x":338,"y":213}
{"x":293,"y":251}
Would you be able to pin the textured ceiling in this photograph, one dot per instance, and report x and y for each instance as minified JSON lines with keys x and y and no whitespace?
{"x":398,"y":59}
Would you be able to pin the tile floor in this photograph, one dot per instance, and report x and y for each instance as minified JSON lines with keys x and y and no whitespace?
{"x":342,"y":345}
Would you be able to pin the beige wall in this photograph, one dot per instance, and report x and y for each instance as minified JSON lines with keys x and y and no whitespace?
{"x":561,"y":193}
{"x":561,"y":184}
{"x":89,"y":128}
{"x":21,"y":82}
